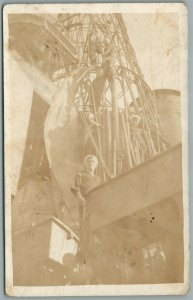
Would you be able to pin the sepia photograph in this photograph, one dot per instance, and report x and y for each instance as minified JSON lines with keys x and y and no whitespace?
{"x":96,"y":149}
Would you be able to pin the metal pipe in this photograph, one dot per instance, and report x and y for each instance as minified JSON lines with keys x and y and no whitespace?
{"x":108,"y":138}
{"x":129,"y":160}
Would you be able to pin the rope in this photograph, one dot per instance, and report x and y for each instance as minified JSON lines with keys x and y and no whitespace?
{"x":152,"y":81}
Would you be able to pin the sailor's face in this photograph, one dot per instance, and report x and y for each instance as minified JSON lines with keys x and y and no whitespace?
{"x":91,"y":164}
{"x":135,"y":122}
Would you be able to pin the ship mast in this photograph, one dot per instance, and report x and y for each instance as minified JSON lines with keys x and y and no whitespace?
{"x":114,"y":103}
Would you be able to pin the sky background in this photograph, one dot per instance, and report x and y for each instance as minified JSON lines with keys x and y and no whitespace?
{"x":155,"y":38}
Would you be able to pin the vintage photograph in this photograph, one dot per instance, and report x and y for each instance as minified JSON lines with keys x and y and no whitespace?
{"x":96,"y":173}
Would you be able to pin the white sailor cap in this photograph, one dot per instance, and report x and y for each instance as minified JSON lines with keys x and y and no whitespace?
{"x":88,"y":157}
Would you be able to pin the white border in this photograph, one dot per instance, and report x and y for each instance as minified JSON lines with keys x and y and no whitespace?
{"x":96,"y":8}
{"x":99,"y":290}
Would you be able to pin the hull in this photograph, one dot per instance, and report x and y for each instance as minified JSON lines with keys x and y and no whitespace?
{"x":137,"y":189}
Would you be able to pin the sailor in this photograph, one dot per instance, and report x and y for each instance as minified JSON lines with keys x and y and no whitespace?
{"x":85,"y":181}
{"x":137,"y":135}
{"x":98,"y":86}
{"x":94,"y":48}
{"x":91,"y":128}
{"x":109,"y":66}
{"x":136,"y":130}
{"x":91,"y":119}
{"x":108,"y":59}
